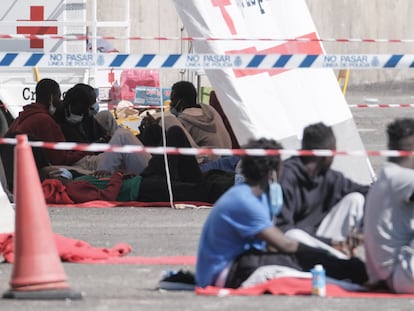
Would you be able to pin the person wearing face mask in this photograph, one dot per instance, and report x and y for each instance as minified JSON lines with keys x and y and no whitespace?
{"x":76,"y":116}
{"x":77,"y":119}
{"x":321,"y":205}
{"x":203,"y":122}
{"x":36,"y":120}
{"x":239,"y":238}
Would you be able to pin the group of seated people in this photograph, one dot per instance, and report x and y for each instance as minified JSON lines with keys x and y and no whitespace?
{"x":77,"y":119}
{"x":324,"y":217}
{"x":293,"y":213}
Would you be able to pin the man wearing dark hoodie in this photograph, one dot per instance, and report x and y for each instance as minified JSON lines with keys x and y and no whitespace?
{"x":36,"y":120}
{"x":203,"y":122}
{"x":320,"y":202}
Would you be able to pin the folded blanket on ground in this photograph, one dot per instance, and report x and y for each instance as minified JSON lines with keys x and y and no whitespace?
{"x":102,"y":192}
{"x":70,"y":250}
{"x":292,"y":286}
{"x":78,"y":251}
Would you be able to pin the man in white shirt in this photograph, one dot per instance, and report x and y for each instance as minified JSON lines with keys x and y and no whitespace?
{"x":389,"y":215}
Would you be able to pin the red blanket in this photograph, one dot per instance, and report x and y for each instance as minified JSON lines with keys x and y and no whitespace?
{"x":107,"y":204}
{"x":78,"y":251}
{"x":81,"y":193}
{"x":69,"y":249}
{"x":293,"y":286}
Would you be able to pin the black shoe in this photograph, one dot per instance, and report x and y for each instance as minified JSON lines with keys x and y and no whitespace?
{"x":178,"y":280}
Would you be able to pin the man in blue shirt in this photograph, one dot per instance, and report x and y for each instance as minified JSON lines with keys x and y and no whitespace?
{"x":241,"y":220}
{"x":239,"y":230}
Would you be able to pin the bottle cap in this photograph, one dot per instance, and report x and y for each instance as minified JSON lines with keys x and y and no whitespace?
{"x":318,"y":267}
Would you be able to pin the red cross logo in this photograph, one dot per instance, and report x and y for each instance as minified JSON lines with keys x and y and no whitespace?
{"x":36,"y":14}
{"x":227,"y":18}
{"x":291,"y":47}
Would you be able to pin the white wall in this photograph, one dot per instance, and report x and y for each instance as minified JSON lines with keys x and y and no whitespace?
{"x":389,"y":19}
{"x":154,"y":18}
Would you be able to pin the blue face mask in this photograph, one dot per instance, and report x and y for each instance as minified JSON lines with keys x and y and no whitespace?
{"x":94,"y":109}
{"x":275,"y":197}
{"x":174,"y":111}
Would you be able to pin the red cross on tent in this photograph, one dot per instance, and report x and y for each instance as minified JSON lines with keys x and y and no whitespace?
{"x":36,"y":14}
{"x":227,"y":18}
{"x":290,"y":47}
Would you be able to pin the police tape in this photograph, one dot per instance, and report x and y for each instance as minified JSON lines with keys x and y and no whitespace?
{"x":179,"y":38}
{"x":381,"y":106}
{"x":145,"y":107}
{"x":95,"y":147}
{"x":207,"y":61}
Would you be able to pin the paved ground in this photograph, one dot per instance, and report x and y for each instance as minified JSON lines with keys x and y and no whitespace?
{"x":162,"y":231}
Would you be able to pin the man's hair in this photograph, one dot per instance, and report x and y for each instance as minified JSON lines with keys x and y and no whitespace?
{"x":397,"y":131}
{"x":80,"y":95}
{"x":255,"y":168}
{"x":317,"y":136}
{"x":186,"y":91}
{"x":44,"y":89}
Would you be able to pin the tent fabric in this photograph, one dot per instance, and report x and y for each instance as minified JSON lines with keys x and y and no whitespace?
{"x":291,"y":286}
{"x":273,"y":103}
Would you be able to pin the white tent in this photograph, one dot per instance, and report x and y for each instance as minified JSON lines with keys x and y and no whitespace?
{"x":273,"y":103}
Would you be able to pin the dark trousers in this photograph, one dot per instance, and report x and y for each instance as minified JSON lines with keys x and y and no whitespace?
{"x":351,"y":269}
{"x":249,"y":261}
{"x":182,"y":168}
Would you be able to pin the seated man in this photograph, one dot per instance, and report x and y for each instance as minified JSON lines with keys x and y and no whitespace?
{"x":36,"y":120}
{"x":319,"y":202}
{"x":76,"y":115}
{"x":150,"y":186}
{"x":239,"y":230}
{"x":202,"y":121}
{"x":389,"y":217}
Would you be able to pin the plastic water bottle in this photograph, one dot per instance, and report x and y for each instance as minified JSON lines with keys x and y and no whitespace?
{"x":238,"y":179}
{"x":318,"y":281}
{"x":238,"y":176}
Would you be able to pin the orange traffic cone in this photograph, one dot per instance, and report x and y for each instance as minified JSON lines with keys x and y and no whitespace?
{"x":37,"y":270}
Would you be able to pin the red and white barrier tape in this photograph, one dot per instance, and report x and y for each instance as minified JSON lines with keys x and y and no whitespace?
{"x":382,"y":106}
{"x":207,"y":151}
{"x":175,"y":38}
{"x":110,"y":106}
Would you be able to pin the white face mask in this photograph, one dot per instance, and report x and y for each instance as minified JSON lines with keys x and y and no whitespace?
{"x":73,"y":118}
{"x":52,"y":109}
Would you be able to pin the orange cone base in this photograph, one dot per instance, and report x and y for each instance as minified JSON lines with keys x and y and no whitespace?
{"x":51,"y":294}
